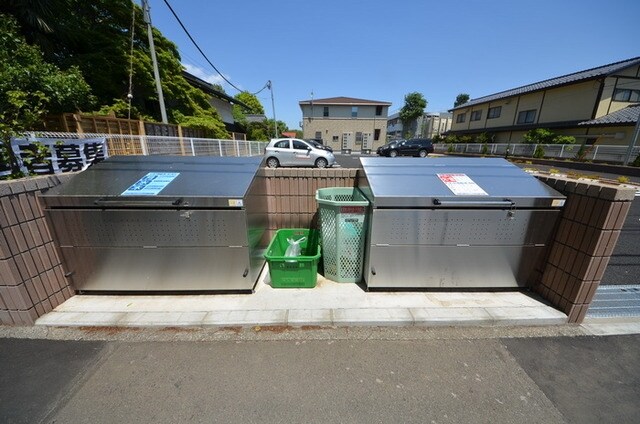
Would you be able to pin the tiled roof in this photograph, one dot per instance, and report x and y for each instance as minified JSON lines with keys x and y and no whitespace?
{"x":209,"y":89}
{"x":558,"y":81}
{"x":628,"y":115}
{"x":344,"y":101}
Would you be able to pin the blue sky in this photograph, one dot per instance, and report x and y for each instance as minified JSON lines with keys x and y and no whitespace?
{"x":382,"y":50}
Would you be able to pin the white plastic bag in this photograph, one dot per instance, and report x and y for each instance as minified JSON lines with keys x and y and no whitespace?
{"x":294,"y":248}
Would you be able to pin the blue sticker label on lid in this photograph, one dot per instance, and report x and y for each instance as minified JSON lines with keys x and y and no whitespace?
{"x":151,"y":184}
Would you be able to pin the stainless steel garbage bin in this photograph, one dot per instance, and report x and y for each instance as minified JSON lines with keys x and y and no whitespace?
{"x":454,"y":222}
{"x":155,"y":223}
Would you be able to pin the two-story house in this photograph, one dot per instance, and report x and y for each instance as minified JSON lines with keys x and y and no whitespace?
{"x":599,"y":105}
{"x":220,"y":101}
{"x":345,"y":123}
{"x":428,"y":125}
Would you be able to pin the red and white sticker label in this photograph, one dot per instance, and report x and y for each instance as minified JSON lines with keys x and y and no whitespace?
{"x":462,"y":185}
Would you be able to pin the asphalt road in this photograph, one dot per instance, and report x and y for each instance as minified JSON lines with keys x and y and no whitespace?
{"x":548,"y":380}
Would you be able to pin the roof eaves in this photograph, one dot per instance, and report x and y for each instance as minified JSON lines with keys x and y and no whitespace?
{"x":209,"y":89}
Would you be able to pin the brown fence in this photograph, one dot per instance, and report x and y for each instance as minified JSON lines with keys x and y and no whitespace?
{"x":99,"y":124}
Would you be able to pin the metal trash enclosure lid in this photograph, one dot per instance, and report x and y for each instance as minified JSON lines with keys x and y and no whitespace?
{"x":420,"y":182}
{"x":200,"y":181}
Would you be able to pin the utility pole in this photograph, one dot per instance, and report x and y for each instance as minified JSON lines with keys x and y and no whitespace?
{"x":633,"y":142}
{"x":273,"y":107}
{"x":147,"y":19}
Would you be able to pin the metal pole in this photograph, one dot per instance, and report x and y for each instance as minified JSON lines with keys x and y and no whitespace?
{"x":633,"y":142}
{"x":156,"y":72}
{"x":273,"y":107}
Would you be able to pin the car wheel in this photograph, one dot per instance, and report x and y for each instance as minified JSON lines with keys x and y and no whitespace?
{"x":393,"y":154}
{"x":321,"y":163}
{"x":423,"y":153}
{"x":273,"y":163}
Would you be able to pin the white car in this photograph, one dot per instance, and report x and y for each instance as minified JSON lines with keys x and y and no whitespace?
{"x":295,"y":152}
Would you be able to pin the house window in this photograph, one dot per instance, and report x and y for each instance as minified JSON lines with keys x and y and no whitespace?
{"x":494,"y":112}
{"x":335,"y":138}
{"x":527,"y":116}
{"x":620,"y":95}
{"x":461,"y":118}
{"x":358,"y":138}
{"x":325,"y":111}
{"x":354,"y":111}
{"x":376,"y":134}
{"x":476,"y":115}
{"x":378,"y":110}
{"x":318,"y":135}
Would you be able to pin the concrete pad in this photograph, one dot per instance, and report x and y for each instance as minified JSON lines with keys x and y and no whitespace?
{"x":309,"y":317}
{"x":536,"y":315}
{"x":329,"y":303}
{"x":246,"y":318}
{"x":372,"y":316}
{"x":451,"y":316}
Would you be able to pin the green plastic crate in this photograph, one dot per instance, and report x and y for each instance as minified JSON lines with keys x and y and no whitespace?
{"x":293,"y":272}
{"x":343,"y":215}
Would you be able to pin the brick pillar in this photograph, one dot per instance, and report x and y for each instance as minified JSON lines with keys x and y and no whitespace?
{"x":587,"y":234}
{"x":32,"y":282}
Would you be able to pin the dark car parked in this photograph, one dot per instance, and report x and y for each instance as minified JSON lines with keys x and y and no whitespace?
{"x":318,"y":143}
{"x":413,"y":147}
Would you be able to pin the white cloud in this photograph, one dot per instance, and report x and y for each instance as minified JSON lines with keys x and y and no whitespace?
{"x":210,"y":77}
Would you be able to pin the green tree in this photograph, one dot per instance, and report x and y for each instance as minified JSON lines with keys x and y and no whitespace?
{"x":564,"y":139}
{"x":538,"y":136}
{"x":545,"y":136}
{"x":414,"y":105}
{"x":30,"y":87}
{"x":263,"y":131}
{"x":255,"y":107}
{"x":240,"y":115}
{"x":461,"y":99}
{"x":96,"y":38}
{"x":484,"y":138}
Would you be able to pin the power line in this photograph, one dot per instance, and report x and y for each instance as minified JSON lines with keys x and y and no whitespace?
{"x":198,"y":47}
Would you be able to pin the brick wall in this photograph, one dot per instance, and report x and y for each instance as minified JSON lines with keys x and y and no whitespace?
{"x":32,"y":282}
{"x":588,"y":231}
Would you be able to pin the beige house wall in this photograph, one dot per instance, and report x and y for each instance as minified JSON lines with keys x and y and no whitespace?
{"x":330,"y":128}
{"x":340,"y":121}
{"x":569,"y":103}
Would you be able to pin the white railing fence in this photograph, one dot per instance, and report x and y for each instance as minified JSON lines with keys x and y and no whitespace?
{"x":601,"y":153}
{"x":118,"y":144}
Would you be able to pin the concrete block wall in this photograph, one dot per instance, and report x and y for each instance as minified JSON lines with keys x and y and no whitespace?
{"x":291,"y":194}
{"x":32,"y":281}
{"x":583,"y":243}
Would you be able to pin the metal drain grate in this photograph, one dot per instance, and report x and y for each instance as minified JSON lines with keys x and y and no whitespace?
{"x":615,"y":301}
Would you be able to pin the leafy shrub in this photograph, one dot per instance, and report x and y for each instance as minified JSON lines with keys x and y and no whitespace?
{"x":539,"y":152}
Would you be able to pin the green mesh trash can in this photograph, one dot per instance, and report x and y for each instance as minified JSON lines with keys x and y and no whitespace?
{"x":343,"y":213}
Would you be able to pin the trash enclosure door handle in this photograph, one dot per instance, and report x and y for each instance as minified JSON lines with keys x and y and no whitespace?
{"x":137,"y":202}
{"x":463,"y":203}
